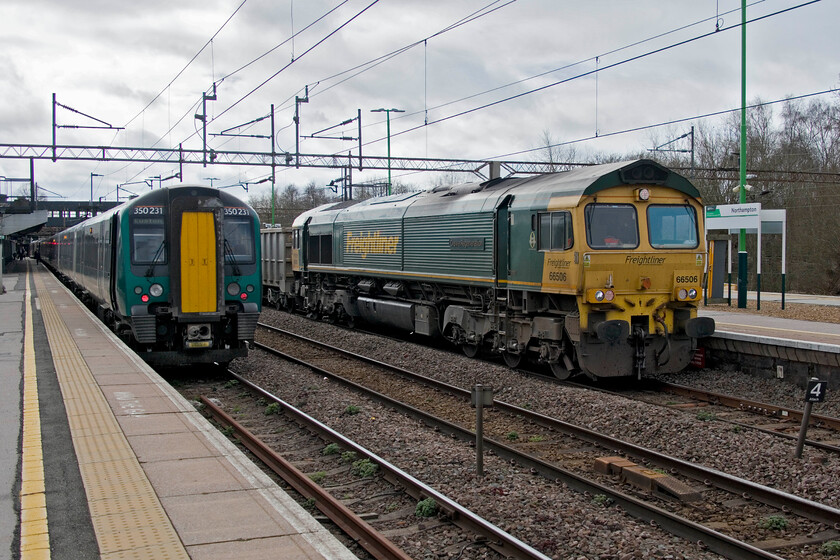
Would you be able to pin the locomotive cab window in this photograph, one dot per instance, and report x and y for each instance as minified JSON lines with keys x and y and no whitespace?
{"x":611,"y":226}
{"x":555,"y":231}
{"x":239,"y":240}
{"x":148,"y":235}
{"x":672,"y":226}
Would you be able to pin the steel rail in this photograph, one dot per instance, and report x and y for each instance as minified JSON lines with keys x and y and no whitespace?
{"x":368,"y":537}
{"x":745,"y":404}
{"x":770,"y":496}
{"x":672,"y":523}
{"x":651,"y":385}
{"x":501,"y":541}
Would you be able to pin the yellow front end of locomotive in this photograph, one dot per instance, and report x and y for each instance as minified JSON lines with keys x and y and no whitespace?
{"x":643,"y":289}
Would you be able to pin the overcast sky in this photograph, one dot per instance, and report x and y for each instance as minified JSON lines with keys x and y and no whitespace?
{"x":115,"y":60}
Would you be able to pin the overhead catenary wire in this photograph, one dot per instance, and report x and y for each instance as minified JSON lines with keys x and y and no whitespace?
{"x":310,"y":49}
{"x":187,"y":65}
{"x":591,"y":72}
{"x":485,"y":10}
{"x":582,"y":75}
{"x":534,"y":76}
{"x":246,"y":65}
{"x":378,"y":60}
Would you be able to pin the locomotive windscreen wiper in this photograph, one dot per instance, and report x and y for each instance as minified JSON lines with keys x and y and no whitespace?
{"x":229,"y":253}
{"x":151,"y":269}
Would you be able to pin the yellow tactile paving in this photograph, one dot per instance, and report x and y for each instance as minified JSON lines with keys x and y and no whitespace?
{"x":127,"y":516}
{"x":34,"y":528}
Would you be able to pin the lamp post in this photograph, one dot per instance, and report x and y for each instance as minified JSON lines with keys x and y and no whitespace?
{"x":92,"y":175}
{"x":388,"y":121}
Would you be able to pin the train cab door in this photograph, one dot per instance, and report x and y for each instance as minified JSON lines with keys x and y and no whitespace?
{"x":304,"y":246}
{"x":198,"y":260}
{"x":502,"y":241}
{"x":114,"y":261}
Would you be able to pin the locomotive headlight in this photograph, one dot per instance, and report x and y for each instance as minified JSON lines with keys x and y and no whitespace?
{"x":609,"y":295}
{"x":233,"y":289}
{"x":692,"y":293}
{"x":642,"y":195}
{"x":249,"y":288}
{"x":682,"y":294}
{"x":138,"y":290}
{"x":600,"y":295}
{"x":156,"y":290}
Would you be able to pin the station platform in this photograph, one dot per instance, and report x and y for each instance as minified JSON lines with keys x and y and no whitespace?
{"x":774,"y":347}
{"x":103,"y":459}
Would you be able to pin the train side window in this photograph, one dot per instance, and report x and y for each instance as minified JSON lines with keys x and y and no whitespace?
{"x":296,"y":239}
{"x":555,"y":231}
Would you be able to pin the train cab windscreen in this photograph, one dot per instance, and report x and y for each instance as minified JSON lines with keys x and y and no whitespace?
{"x":611,"y":226}
{"x":672,"y":226}
{"x":148,"y":235}
{"x":239,"y":240}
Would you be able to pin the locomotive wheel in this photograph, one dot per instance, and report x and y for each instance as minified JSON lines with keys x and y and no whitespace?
{"x":512,"y":360}
{"x":470,"y":350}
{"x":560,"y":372}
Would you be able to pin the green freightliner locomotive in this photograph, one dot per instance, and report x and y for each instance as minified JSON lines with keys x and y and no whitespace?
{"x":597,"y":271}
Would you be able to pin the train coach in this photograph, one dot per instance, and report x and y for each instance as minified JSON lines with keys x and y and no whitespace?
{"x":596,"y":271}
{"x":176,"y":272}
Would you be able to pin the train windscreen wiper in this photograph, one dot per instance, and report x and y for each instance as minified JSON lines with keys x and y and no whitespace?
{"x":151,"y":269}
{"x":229,"y":253}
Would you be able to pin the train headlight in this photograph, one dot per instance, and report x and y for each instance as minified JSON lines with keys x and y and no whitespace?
{"x":233,"y":289}
{"x":609,"y":295}
{"x":682,"y":294}
{"x":642,"y":195}
{"x":249,"y":288}
{"x":156,"y":290}
{"x":692,"y":293}
{"x":600,"y":295}
{"x":138,"y":290}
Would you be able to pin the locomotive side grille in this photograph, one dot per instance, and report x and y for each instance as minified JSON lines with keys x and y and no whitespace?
{"x":198,"y":262}
{"x":246,"y":325}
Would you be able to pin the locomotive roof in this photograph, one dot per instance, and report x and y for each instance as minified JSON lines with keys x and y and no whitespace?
{"x":483,"y":197}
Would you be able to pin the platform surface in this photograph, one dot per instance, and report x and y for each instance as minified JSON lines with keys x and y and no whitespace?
{"x":112,"y":462}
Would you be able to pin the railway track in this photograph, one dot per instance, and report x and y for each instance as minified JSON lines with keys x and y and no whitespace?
{"x":579,"y":449}
{"x":791,"y":417}
{"x":777,"y":420}
{"x":390,"y":481}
